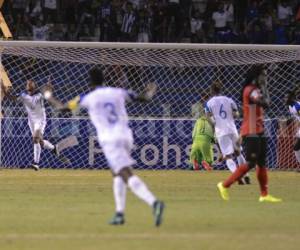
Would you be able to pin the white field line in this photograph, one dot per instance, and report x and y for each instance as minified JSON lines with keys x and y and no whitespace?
{"x":156,"y":235}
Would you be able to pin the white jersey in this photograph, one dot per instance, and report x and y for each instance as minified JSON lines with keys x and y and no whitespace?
{"x":295,"y":110}
{"x":221,"y":108}
{"x":35,"y":108}
{"x":107,"y":111}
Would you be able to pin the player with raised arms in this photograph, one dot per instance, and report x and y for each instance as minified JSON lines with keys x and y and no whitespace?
{"x":222,"y":111}
{"x":33,"y":102}
{"x":255,"y":98}
{"x":294,"y":109}
{"x":107,"y":111}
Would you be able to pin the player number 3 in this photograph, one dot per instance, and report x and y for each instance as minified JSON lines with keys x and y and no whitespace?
{"x":112,"y":115}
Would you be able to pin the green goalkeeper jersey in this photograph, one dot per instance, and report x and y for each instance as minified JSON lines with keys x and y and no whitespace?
{"x":203,"y":127}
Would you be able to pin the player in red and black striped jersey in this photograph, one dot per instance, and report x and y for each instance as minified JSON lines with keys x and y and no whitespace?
{"x":255,"y":99}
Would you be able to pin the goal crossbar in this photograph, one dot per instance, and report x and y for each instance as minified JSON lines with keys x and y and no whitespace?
{"x":121,"y":45}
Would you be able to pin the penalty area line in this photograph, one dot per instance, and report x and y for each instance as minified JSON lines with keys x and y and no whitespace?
{"x":145,"y":236}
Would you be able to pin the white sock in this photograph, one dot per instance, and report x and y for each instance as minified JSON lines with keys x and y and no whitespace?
{"x":297,"y":154}
{"x":139,"y":188}
{"x":48,"y":145}
{"x":241,"y":160}
{"x":37,"y":152}
{"x":231,"y":165}
{"x":120,"y":188}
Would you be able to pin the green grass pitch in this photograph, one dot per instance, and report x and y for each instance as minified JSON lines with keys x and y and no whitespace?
{"x":69,"y":209}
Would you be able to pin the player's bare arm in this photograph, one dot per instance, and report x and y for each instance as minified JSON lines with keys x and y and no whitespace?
{"x":147,"y":94}
{"x":263,"y":98}
{"x":7,"y":92}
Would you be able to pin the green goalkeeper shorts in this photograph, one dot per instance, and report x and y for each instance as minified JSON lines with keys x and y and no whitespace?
{"x":202,"y":149}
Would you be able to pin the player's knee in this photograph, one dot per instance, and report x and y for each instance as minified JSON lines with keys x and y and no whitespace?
{"x":252,"y":160}
{"x":36,"y":140}
{"x":227,"y":157}
{"x":237,"y":152}
{"x":251,"y":164}
{"x":125,"y":174}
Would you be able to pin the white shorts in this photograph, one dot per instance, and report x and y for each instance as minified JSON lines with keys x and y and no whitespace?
{"x":228,"y":144}
{"x":118,"y":154}
{"x":37,"y":125}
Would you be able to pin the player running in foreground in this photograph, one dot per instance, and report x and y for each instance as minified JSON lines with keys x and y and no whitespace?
{"x":33,"y":102}
{"x":294,"y":109}
{"x":222,"y":110}
{"x":255,"y":100}
{"x":107,"y":111}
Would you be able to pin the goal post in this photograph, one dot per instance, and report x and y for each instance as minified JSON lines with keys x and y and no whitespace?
{"x":163,"y":127}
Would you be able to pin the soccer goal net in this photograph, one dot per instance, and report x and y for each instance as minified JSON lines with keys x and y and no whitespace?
{"x":163,"y":127}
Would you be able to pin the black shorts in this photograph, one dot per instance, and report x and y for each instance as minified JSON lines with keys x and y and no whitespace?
{"x":255,"y":147}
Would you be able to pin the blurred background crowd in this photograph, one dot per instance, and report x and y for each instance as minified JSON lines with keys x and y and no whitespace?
{"x":195,"y":21}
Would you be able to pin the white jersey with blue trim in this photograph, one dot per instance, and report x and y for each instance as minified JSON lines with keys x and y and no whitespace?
{"x":295,"y":110}
{"x":107,"y":111}
{"x":221,"y":108}
{"x":34,"y":105}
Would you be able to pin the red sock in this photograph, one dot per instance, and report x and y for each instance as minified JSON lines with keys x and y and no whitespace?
{"x":262,"y":177}
{"x":238,"y":173}
{"x":196,"y":165}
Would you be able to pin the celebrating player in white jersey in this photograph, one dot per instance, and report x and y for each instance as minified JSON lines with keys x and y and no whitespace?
{"x":33,"y":102}
{"x":106,"y":108}
{"x":294,"y":109}
{"x":222,"y":111}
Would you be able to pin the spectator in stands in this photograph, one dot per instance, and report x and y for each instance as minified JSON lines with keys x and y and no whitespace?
{"x":240,"y":13}
{"x":168,"y":20}
{"x":186,"y":11}
{"x":174,"y":21}
{"x":229,"y":9}
{"x":18,"y":9}
{"x":256,"y":32}
{"x":159,"y":19}
{"x":24,"y":29}
{"x":40,"y":32}
{"x":57,"y":33}
{"x":86,"y":25}
{"x":284,"y":12}
{"x":281,"y":33}
{"x":137,"y":4}
{"x":197,"y":32}
{"x":267,"y":21}
{"x":128,"y":28}
{"x":296,"y":34}
{"x":219,"y":18}
{"x":144,"y":25}
{"x":199,"y":5}
{"x":117,"y":9}
{"x":107,"y":21}
{"x":50,"y":11}
{"x":35,"y":10}
{"x":252,"y":12}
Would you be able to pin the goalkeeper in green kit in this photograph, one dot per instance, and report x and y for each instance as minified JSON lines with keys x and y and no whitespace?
{"x":203,"y":141}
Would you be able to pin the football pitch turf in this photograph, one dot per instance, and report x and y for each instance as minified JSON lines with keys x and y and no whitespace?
{"x":69,"y":209}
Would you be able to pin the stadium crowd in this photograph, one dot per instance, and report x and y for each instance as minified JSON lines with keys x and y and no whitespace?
{"x":196,"y":21}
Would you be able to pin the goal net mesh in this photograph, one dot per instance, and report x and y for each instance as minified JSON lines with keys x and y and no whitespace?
{"x":163,"y":127}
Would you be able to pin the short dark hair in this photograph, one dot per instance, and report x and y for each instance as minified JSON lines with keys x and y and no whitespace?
{"x":96,"y":76}
{"x":216,"y":87}
{"x":290,"y":97}
{"x":253,"y":73}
